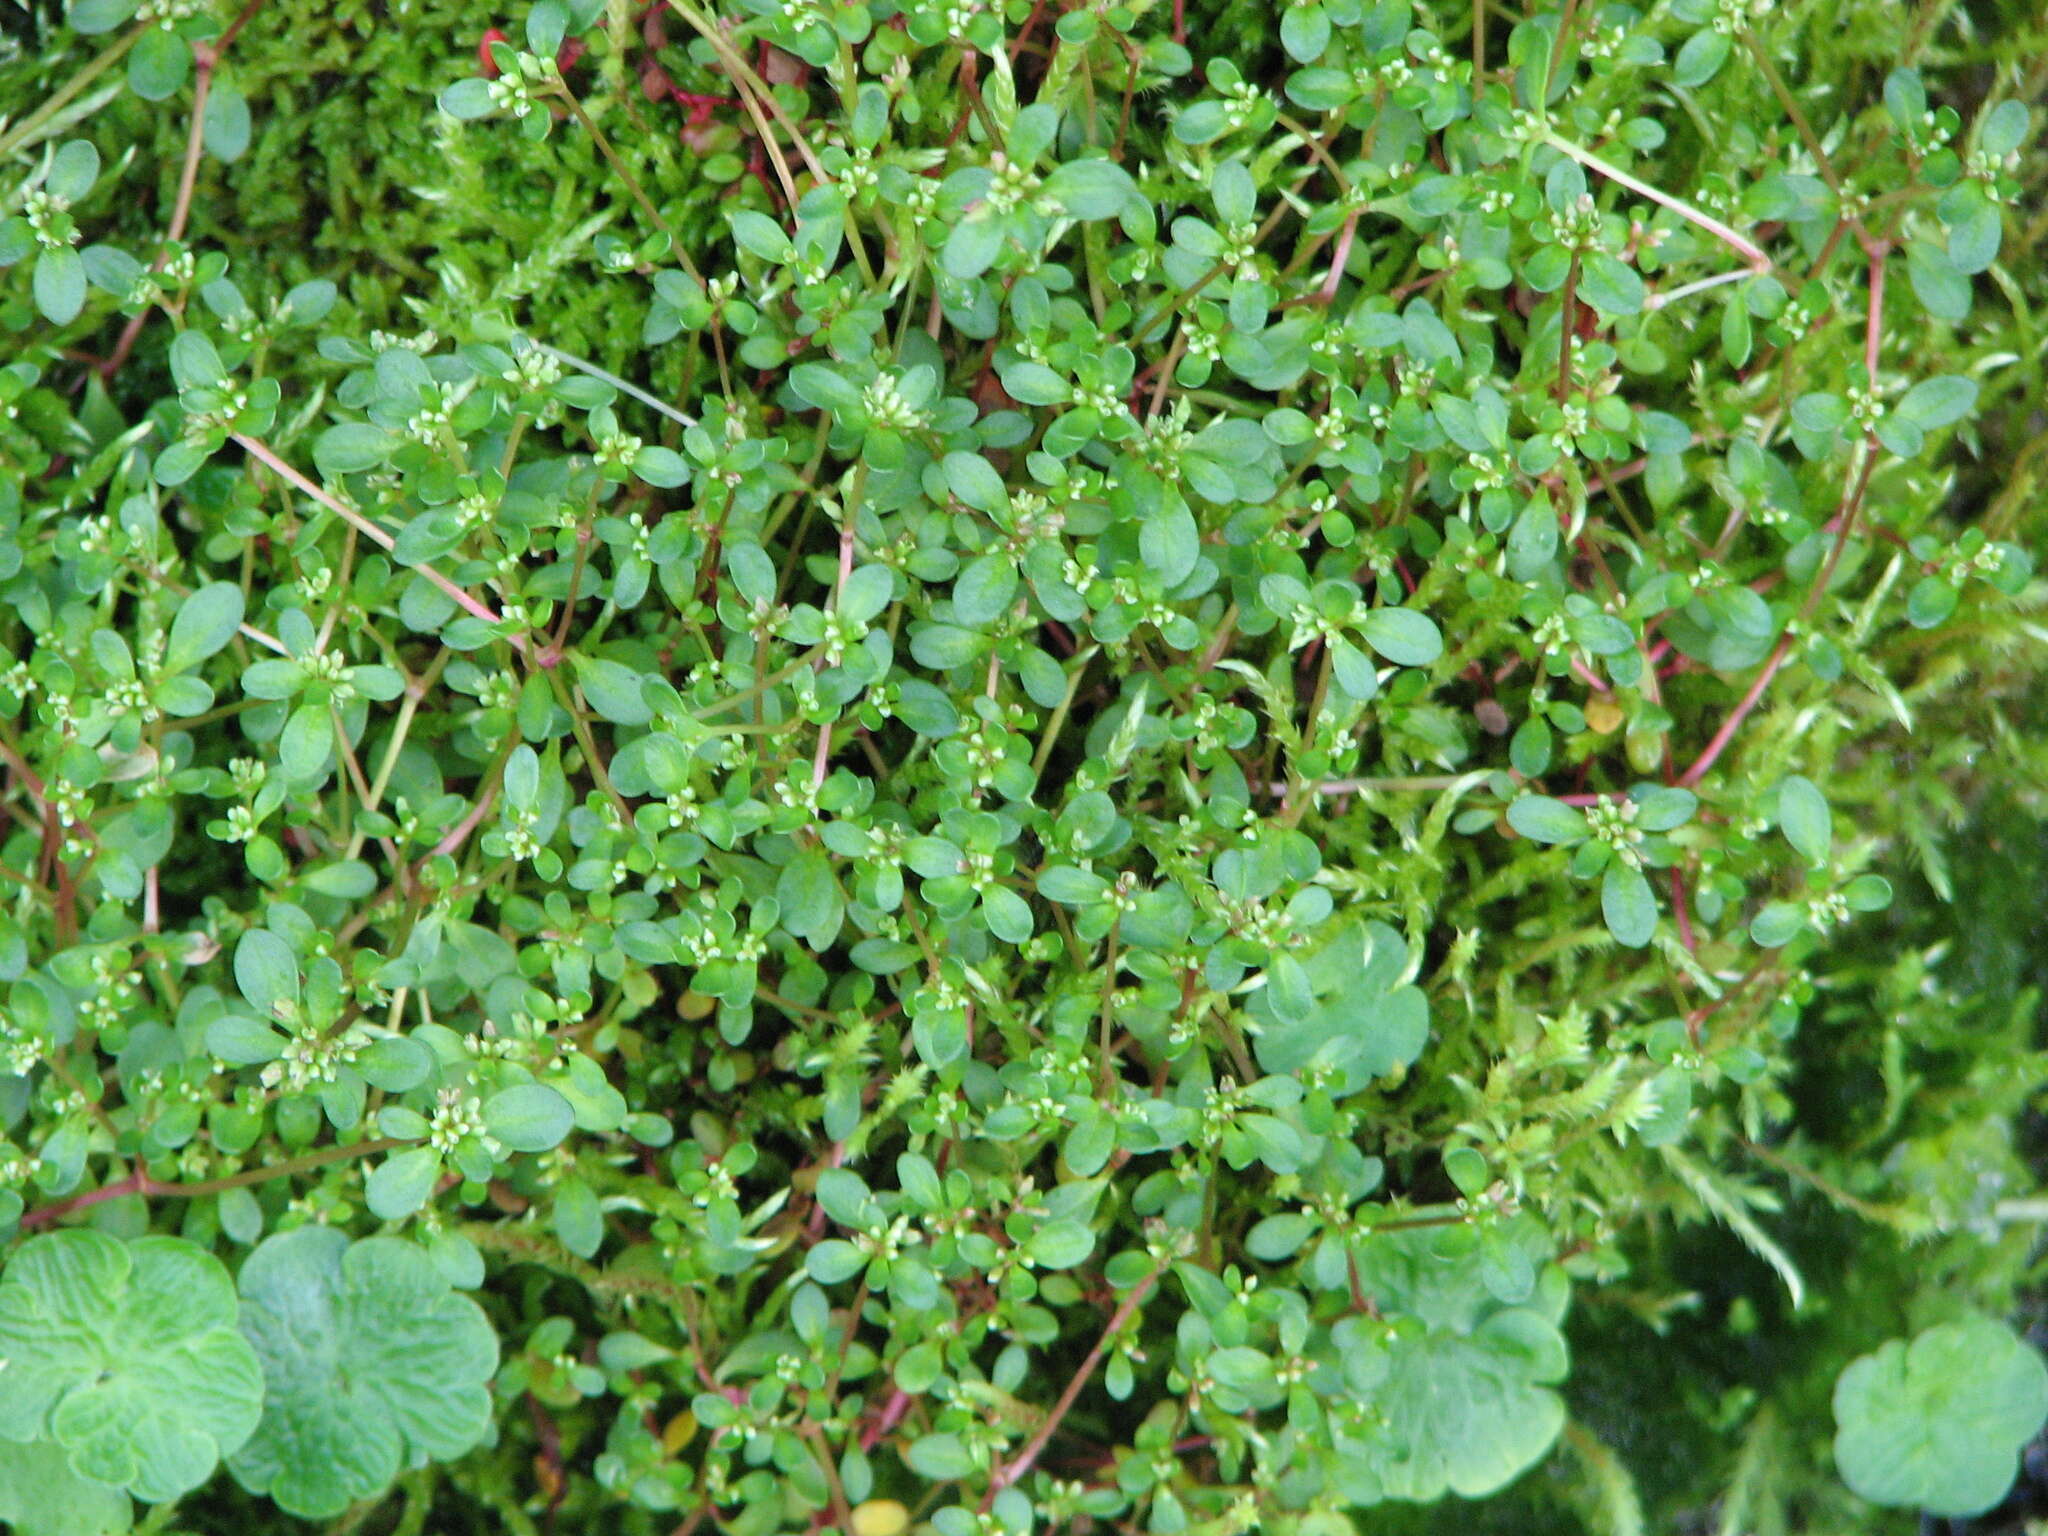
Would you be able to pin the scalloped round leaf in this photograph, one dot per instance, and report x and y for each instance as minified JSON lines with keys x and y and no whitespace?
{"x":371,"y":1362}
{"x":1355,"y":1021}
{"x":1464,"y":1415}
{"x":1938,"y":1424}
{"x":126,"y":1356}
{"x":41,"y":1496}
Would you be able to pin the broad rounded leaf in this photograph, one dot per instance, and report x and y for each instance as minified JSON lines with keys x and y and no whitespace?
{"x":1544,"y":820}
{"x":400,"y":1184}
{"x":1628,"y":905}
{"x":351,"y":447}
{"x":531,"y":1117}
{"x":160,"y":64}
{"x":1803,"y":818}
{"x":41,"y":1496}
{"x":370,"y":1362}
{"x":1403,"y":636}
{"x":1937,"y":1424}
{"x":126,"y":1355}
{"x":1461,"y":1384}
{"x":1938,"y":402}
{"x":1091,"y":189}
{"x":206,"y":621}
{"x":60,"y":285}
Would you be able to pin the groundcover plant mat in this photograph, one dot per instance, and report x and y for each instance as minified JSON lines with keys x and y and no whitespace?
{"x":882,"y":768}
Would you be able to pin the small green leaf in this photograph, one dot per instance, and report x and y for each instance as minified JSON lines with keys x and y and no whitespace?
{"x":530,"y":1117}
{"x":1403,"y":636}
{"x":1803,"y":818}
{"x":1701,"y":58}
{"x":73,"y":169}
{"x":59,"y":285}
{"x":942,"y":1458}
{"x":1091,"y":189}
{"x":400,"y":1184}
{"x":160,"y":64}
{"x":351,"y":448}
{"x":206,"y":621}
{"x":1628,"y":905}
{"x":1610,"y":285}
{"x":761,"y":235}
{"x":1939,"y":402}
{"x":1544,"y":820}
{"x":266,"y":970}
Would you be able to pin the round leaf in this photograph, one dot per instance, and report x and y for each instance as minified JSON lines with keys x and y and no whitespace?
{"x":1628,"y":905}
{"x":1403,"y":636}
{"x":531,"y":1117}
{"x":1937,"y":1424}
{"x":206,"y":621}
{"x":1544,"y":820}
{"x":370,"y":1363}
{"x":126,"y":1355}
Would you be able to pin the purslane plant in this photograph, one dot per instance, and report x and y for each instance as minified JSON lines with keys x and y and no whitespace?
{"x":1153,"y":773}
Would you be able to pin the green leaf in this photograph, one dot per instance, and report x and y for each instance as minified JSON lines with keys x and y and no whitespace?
{"x":758,"y":233}
{"x":834,"y":1260}
{"x":73,"y":169}
{"x":1938,"y":1424}
{"x":1701,"y":58}
{"x":1940,"y":402}
{"x":1008,"y":915}
{"x":1777,"y":924}
{"x":1091,"y":189}
{"x":370,"y":1363}
{"x":59,"y":285}
{"x":400,"y":1184}
{"x":661,"y":466}
{"x":1936,"y":280}
{"x":307,"y":745}
{"x":227,"y":125}
{"x":350,"y":448}
{"x":159,"y":64}
{"x":1610,"y":285}
{"x":1060,"y":1245}
{"x":1460,"y":1387}
{"x":205,"y":622}
{"x":973,"y":246}
{"x":91,"y":17}
{"x":1170,"y":544}
{"x":469,"y":99}
{"x":941,"y":1458}
{"x":1544,"y":820}
{"x":1035,"y":384}
{"x":126,"y":1355}
{"x":1403,"y":636}
{"x":824,"y":387}
{"x":40,"y":1495}
{"x":612,"y":689}
{"x":1803,"y":818}
{"x":530,"y":1117}
{"x":266,"y":970}
{"x":577,"y":1218}
{"x":985,"y":590}
{"x":1628,"y":905}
